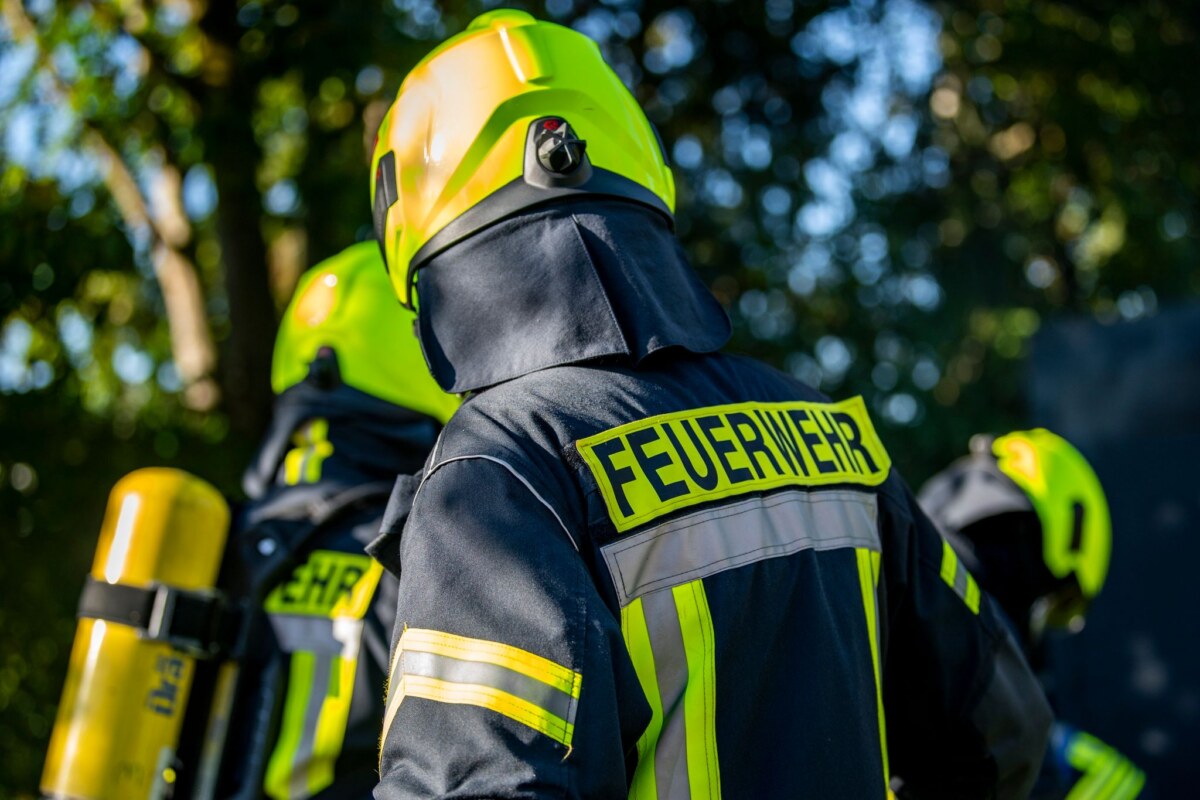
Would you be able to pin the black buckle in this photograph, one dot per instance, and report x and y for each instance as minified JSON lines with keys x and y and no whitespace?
{"x":202,"y":624}
{"x":160,"y":627}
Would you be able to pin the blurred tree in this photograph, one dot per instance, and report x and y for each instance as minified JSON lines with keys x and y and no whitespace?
{"x":889,"y":197}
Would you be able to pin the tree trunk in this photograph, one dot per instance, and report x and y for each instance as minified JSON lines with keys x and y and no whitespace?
{"x":159,"y":217}
{"x":233,"y":152}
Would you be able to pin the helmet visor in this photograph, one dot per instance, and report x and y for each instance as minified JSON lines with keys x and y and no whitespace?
{"x":385,"y":197}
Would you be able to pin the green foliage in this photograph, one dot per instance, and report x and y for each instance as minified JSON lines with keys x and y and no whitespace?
{"x":890,"y":198}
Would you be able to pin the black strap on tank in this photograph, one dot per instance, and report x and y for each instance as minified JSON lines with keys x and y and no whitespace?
{"x":200,"y":623}
{"x":203,"y":624}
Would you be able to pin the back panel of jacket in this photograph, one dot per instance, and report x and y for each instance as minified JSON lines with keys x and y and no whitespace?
{"x":727,"y":581}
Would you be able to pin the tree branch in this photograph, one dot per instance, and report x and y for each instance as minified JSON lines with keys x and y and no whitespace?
{"x":163,"y":220}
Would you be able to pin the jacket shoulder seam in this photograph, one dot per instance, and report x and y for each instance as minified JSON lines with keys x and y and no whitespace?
{"x":515,"y":473}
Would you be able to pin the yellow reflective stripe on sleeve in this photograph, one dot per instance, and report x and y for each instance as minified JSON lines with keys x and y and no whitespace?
{"x":502,"y":655}
{"x":1092,"y":786}
{"x":1107,"y":775}
{"x":496,"y":700}
{"x":393,"y":693}
{"x":868,"y":581}
{"x":637,"y":642}
{"x":651,"y":467}
{"x":1132,"y":786}
{"x":700,"y":697}
{"x":515,"y":683}
{"x":277,"y":782}
{"x":1108,"y":790}
{"x":958,"y":578}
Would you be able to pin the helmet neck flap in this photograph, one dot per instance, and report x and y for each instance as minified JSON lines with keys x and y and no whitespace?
{"x":372,"y":439}
{"x":563,"y":283}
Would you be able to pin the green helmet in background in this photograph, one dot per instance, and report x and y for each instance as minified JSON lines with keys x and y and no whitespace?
{"x":1068,"y":500}
{"x":346,"y":303}
{"x":1030,"y":516}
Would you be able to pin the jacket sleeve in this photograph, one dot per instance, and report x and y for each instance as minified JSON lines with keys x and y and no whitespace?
{"x":508,"y":674}
{"x":966,"y":718}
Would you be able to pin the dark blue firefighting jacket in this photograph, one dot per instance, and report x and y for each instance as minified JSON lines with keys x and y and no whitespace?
{"x":992,"y":526}
{"x":634,"y":567}
{"x":307,"y":722}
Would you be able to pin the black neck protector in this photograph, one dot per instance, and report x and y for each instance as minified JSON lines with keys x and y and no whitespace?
{"x":372,"y":439}
{"x":562,"y":284}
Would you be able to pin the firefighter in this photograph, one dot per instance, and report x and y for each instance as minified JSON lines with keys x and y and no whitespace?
{"x":1028,"y":517}
{"x":634,"y":566}
{"x":355,"y":405}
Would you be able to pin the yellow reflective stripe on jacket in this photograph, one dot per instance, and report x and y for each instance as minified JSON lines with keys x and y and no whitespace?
{"x":523,"y":686}
{"x":868,"y":581}
{"x":312,"y":732}
{"x":1107,"y":775}
{"x":278,"y":781}
{"x":317,"y":618}
{"x":637,"y":642}
{"x":700,"y":698}
{"x":667,"y":625}
{"x":958,"y":578}
{"x":651,"y":467}
{"x":669,"y":634}
{"x":302,"y":464}
{"x":330,"y":734}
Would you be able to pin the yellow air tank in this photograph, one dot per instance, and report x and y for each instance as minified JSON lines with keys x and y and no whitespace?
{"x":149,"y":596}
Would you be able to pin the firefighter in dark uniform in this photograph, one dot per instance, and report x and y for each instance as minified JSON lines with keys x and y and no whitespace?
{"x":1027,"y":515}
{"x":355,"y":405}
{"x":633,"y":566}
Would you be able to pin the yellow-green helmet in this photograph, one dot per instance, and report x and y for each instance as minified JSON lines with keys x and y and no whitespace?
{"x":1068,"y":500}
{"x":510,"y":113}
{"x":345,"y":303}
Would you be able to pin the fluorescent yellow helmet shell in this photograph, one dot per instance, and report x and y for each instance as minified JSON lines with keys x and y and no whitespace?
{"x":345,"y":303}
{"x":462,"y":126}
{"x":1068,"y":499}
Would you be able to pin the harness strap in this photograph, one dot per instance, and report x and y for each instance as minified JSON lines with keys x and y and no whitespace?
{"x":201,"y":623}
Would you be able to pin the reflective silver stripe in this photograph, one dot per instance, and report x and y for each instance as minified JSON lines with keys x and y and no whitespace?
{"x":304,"y":461}
{"x":298,"y":782}
{"x":321,"y":635}
{"x":711,"y":541}
{"x":431,"y":665}
{"x":960,"y":580}
{"x":670,"y":666}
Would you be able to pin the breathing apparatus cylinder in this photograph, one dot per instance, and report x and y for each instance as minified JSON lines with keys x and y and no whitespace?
{"x":145,"y":616}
